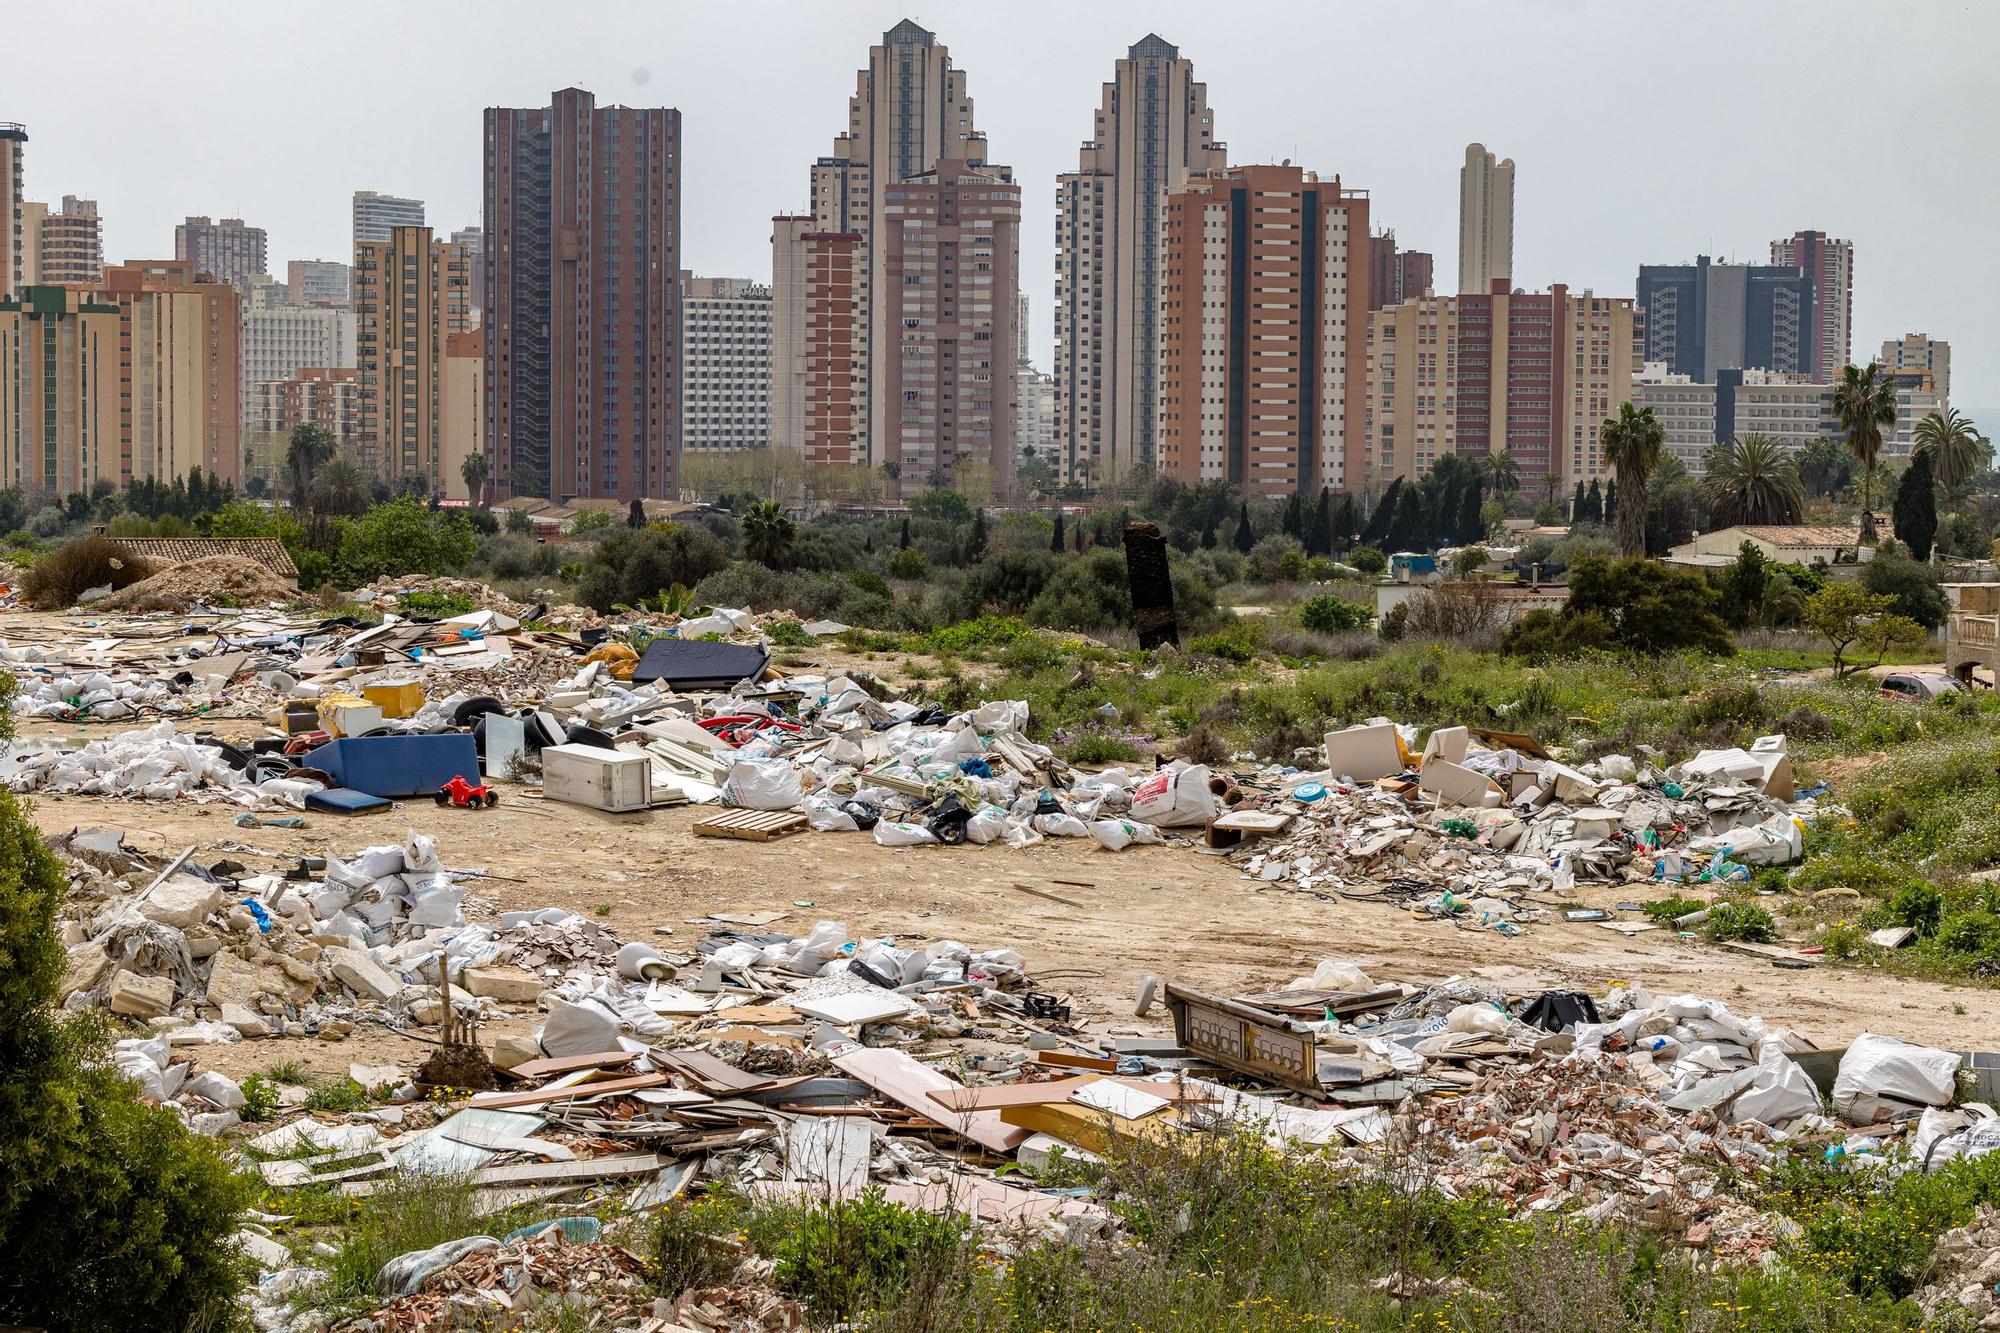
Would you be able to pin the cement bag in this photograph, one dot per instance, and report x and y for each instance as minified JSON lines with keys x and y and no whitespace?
{"x":762,"y":784}
{"x":1175,"y":798}
{"x":988,"y":824}
{"x":1018,"y":834}
{"x":1118,"y":834}
{"x":828,"y":817}
{"x":1782,"y":1093}
{"x":1881,"y":1075}
{"x":892,"y":833}
{"x":1774,"y":842}
{"x":577,"y":1029}
{"x":405,"y":1274}
{"x":1946,"y":1134}
{"x":1060,"y":826}
{"x":998,"y":717}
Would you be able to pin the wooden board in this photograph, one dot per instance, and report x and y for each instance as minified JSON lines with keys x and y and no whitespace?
{"x":750,"y":825}
{"x":570,"y":1092}
{"x":548,"y":1067}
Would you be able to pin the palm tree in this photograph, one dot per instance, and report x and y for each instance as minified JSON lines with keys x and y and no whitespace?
{"x":1952,"y":445}
{"x":1824,"y":465}
{"x":308,"y":450}
{"x":1752,"y":480}
{"x":1632,"y":442}
{"x":768,"y":533}
{"x":340,"y":489}
{"x":1864,"y":402}
{"x":475,"y":470}
{"x":1504,"y":470}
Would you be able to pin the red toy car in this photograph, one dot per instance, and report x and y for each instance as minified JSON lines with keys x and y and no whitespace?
{"x":465,"y":795}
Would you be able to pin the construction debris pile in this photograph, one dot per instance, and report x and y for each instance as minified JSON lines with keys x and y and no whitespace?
{"x":1480,"y":821}
{"x":1967,"y":1273}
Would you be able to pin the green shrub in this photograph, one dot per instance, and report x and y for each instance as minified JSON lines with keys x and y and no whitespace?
{"x":1333,"y":615}
{"x":1740,"y":921}
{"x":403,"y":537}
{"x":984,"y":632}
{"x":867,"y":580}
{"x":1233,"y":644}
{"x":1666,"y":911}
{"x":72,"y":569}
{"x":908,"y":563}
{"x":337,"y":1094}
{"x":788,"y":634}
{"x":847,"y":1258}
{"x":260,"y":1099}
{"x":439,"y":605}
{"x":1919,"y":906}
{"x":112,"y":1214}
{"x":409,"y":1210}
{"x":630,"y":566}
{"x":1368,"y":560}
{"x":686,"y":1248}
{"x":1874,"y":1231}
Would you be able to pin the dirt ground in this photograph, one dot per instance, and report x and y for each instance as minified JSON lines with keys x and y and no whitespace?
{"x":1164,"y":910}
{"x":1168,"y":910}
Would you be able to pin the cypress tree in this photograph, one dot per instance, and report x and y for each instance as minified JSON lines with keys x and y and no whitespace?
{"x":1319,"y":533}
{"x":904,"y":544}
{"x":1610,"y":502}
{"x":1056,"y":536}
{"x":1471,"y":523}
{"x":975,"y":546}
{"x":1245,"y":539}
{"x":1914,"y":513}
{"x":1376,"y":530}
{"x":1208,"y":533}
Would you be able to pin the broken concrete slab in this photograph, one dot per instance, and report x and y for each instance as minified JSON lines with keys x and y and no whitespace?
{"x":140,"y":997}
{"x":509,"y":985}
{"x":363,"y":975}
{"x":183,"y":902}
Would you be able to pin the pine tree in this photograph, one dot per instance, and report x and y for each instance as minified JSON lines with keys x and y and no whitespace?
{"x":1914,"y":512}
{"x":975,"y":546}
{"x":1319,"y":533}
{"x":1245,"y":539}
{"x":1471,"y":523}
{"x":1376,"y":530}
{"x":1056,"y":536}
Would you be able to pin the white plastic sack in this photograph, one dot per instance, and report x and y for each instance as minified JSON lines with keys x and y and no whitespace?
{"x":217,"y":1088}
{"x":998,"y":717}
{"x":1782,"y":1093}
{"x":404,"y":1275}
{"x":1338,"y":974}
{"x":1947,"y":1134}
{"x":762,"y":784}
{"x":578,"y":1029}
{"x":987,"y":824}
{"x":1118,"y":834}
{"x":826,"y":815}
{"x":892,"y":833}
{"x":1175,"y":797}
{"x":1060,"y":826}
{"x":1881,"y":1075}
{"x":1774,"y":842}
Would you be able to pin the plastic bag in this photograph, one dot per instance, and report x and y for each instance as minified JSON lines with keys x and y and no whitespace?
{"x":987,"y":824}
{"x":578,"y":1029}
{"x":1782,"y":1093}
{"x":1946,"y":1134}
{"x":1061,"y":826}
{"x":762,"y":784}
{"x":1881,"y":1075}
{"x":1000,"y":716}
{"x":1118,"y":834}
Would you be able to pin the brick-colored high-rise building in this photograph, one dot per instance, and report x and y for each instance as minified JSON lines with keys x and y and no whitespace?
{"x":326,"y":283}
{"x":1485,"y":221}
{"x":1263,"y":325}
{"x":228,"y":251}
{"x":1830,"y":264}
{"x":1152,"y":128}
{"x":67,"y":245}
{"x":280,"y":340}
{"x":787,"y":412}
{"x":411,"y":293}
{"x":13,"y":243}
{"x":582,"y":246}
{"x":950,"y":250}
{"x":325,"y":396}
{"x":816,"y":371}
{"x":59,"y":392}
{"x":474,"y":241}
{"x":180,"y":370}
{"x":1396,"y":275}
{"x":909,"y":110}
{"x":1530,"y":374}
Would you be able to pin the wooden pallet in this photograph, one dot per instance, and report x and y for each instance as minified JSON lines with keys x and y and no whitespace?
{"x":753,"y":825}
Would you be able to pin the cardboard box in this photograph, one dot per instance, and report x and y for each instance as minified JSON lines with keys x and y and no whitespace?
{"x":602,"y":779}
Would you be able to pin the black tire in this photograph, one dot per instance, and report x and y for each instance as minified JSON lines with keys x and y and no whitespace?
{"x":441,"y":797}
{"x":492,"y":799}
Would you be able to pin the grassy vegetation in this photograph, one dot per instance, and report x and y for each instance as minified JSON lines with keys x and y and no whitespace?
{"x":1227,"y":1234}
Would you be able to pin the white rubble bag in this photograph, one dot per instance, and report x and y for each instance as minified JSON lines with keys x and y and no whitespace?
{"x":1118,"y":834}
{"x":894,"y":833}
{"x":1880,"y":1076}
{"x":1782,"y":1093}
{"x":1175,"y":797}
{"x":1947,"y":1134}
{"x":578,"y":1029}
{"x":762,"y":784}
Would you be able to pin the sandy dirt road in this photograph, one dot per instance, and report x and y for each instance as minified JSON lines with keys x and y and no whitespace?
{"x":1166,"y":910}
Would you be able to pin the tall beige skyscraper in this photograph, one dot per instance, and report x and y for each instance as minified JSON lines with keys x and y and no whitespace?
{"x":1485,"y":221}
{"x":412,"y":293}
{"x":1152,"y":129}
{"x":910,"y":109}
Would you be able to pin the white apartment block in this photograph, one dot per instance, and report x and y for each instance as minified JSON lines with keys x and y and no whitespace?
{"x":1792,"y":409}
{"x":281,"y":340}
{"x":375,"y":214}
{"x":1920,"y":351}
{"x":725,"y":364}
{"x":1686,"y":410}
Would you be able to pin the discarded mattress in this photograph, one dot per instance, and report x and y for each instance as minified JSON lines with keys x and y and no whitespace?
{"x":398,"y":766}
{"x":694,"y":664}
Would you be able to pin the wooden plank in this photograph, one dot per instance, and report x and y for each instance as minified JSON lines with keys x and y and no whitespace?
{"x":1038,"y":893}
{"x":548,"y":1067}
{"x":566,"y":1092}
{"x":902,"y":1078}
{"x":1009,"y":1094}
{"x":751,"y":825}
{"x":1065,"y":1060}
{"x":713,"y":1075}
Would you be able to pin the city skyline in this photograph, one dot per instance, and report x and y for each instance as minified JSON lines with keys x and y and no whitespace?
{"x":1730,"y":178}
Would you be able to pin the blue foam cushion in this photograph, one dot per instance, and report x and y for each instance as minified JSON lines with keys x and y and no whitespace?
{"x":398,"y":765}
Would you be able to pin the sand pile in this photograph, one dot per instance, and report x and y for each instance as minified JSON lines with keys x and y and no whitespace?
{"x":215,"y":580}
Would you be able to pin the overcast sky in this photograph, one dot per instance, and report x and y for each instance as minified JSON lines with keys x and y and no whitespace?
{"x":1642,"y":132}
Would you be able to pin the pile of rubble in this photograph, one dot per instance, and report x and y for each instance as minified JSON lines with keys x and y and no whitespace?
{"x":1967,"y":1274}
{"x":213,"y":580}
